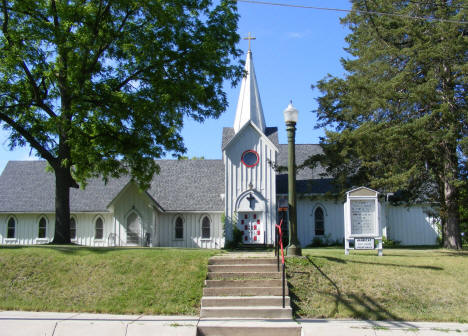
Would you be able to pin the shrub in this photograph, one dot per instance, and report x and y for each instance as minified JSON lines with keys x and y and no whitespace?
{"x":236,"y":239}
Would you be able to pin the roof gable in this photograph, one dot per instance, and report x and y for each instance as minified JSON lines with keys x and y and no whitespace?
{"x":237,"y":135}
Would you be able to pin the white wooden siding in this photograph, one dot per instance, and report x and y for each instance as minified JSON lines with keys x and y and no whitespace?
{"x":408,"y":225}
{"x":333,"y":220}
{"x":27,"y":229}
{"x":411,"y":225}
{"x":262,"y":176}
{"x":132,"y":199}
{"x":192,"y":231}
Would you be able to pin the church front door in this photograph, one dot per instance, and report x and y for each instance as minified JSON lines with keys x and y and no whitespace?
{"x":252,"y":226}
{"x":133,"y":230}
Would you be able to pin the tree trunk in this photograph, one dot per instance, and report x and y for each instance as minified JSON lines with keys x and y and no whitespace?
{"x":62,"y":206}
{"x":451,"y":228}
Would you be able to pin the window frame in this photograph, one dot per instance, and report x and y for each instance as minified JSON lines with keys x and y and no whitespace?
{"x":177,"y":217}
{"x":96,"y":228}
{"x":74,"y":220}
{"x":247,"y":152}
{"x":209,"y":227}
{"x":319,"y":221}
{"x":15,"y":221}
{"x":43,"y":229}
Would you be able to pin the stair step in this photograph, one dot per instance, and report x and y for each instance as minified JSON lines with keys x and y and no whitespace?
{"x":244,"y":301}
{"x":243,"y":275}
{"x":238,"y":261}
{"x":225,"y":327}
{"x":243,"y":291}
{"x":243,"y":268}
{"x":267,"y":312}
{"x":244,"y":283}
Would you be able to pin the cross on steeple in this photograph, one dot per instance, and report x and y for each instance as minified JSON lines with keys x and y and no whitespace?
{"x":249,"y":38}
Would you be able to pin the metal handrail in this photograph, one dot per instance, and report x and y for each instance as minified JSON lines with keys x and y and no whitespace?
{"x":279,"y":234}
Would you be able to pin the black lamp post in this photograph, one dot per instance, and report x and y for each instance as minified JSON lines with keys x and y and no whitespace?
{"x":290,"y":117}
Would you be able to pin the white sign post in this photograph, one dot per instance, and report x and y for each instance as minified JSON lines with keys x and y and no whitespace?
{"x":362,"y":225}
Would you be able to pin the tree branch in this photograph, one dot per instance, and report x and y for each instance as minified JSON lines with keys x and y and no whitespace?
{"x":32,"y":141}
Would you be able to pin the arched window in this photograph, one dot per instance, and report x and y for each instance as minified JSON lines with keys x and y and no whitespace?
{"x":206,"y":228}
{"x":72,"y":228}
{"x":179,"y":228}
{"x":42,"y":228}
{"x":11,"y":228}
{"x":319,"y":222}
{"x":99,"y":232}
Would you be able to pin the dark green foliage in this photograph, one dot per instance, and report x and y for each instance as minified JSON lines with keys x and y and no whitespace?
{"x":398,"y":120}
{"x":100,"y":88}
{"x":236,"y":239}
{"x":389,"y":243}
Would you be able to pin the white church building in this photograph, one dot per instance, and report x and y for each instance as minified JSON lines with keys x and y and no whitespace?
{"x":196,"y":203}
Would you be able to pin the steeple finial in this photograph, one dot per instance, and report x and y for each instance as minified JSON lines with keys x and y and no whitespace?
{"x":250,"y":38}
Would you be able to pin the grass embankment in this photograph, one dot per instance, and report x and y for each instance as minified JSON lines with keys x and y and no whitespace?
{"x":133,"y":281}
{"x":404,"y":284}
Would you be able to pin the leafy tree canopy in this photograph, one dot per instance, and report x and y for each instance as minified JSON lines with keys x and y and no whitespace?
{"x":100,"y":87}
{"x":398,"y":119}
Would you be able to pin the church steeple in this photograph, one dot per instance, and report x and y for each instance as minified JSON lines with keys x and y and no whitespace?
{"x":249,"y":106}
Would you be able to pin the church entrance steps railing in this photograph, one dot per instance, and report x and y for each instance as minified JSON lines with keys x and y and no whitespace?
{"x":240,"y":288}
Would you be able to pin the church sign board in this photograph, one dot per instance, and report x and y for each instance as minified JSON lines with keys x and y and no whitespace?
{"x":362,"y":225}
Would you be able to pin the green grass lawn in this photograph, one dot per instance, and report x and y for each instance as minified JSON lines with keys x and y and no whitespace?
{"x":404,"y":284}
{"x":104,"y":280}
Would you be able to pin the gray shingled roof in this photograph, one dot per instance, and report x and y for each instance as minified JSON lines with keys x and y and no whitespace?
{"x":185,"y":185}
{"x":25,"y":186}
{"x":307,"y":180}
{"x":189,"y":185}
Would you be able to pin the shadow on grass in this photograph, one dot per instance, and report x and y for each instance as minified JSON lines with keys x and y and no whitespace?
{"x":342,"y":261}
{"x":362,"y":306}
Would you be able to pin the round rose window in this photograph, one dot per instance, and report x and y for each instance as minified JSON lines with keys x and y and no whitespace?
{"x":250,"y":158}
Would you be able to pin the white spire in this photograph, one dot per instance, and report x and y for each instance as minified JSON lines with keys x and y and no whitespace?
{"x":249,"y":106}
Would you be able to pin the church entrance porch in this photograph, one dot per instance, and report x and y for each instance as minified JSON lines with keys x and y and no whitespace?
{"x":134,"y":231}
{"x":252,"y":226}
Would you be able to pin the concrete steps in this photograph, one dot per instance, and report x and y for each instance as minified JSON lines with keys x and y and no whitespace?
{"x":242,"y":301}
{"x":266,"y":312}
{"x":241,"y":261}
{"x":243,"y":268}
{"x":244,"y":327}
{"x":244,"y":283}
{"x":240,"y":290}
{"x":243,"y":291}
{"x":243,"y":275}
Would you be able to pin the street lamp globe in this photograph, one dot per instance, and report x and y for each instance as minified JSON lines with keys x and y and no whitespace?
{"x":290,"y":114}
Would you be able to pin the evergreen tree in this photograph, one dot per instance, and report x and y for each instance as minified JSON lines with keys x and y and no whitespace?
{"x":398,"y":119}
{"x":100,"y":87}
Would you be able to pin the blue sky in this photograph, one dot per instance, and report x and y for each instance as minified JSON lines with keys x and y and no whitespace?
{"x":294,"y":48}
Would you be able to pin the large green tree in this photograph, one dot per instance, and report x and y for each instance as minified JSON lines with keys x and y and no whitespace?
{"x":398,"y":119}
{"x":100,"y":87}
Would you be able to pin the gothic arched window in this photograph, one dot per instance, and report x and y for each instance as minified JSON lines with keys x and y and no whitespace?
{"x":99,"y":229}
{"x":319,"y":222}
{"x":42,"y":228}
{"x":11,"y":228}
{"x":72,"y":228}
{"x":179,"y":228}
{"x":206,"y":228}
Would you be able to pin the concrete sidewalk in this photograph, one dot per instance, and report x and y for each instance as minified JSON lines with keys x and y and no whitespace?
{"x":79,"y":324}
